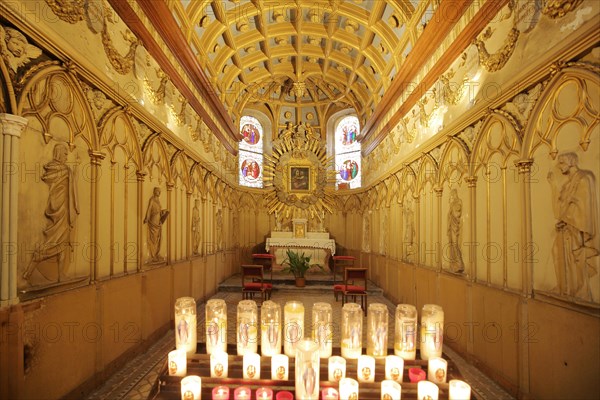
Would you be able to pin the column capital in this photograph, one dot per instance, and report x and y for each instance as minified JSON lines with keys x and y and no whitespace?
{"x":524,"y":166}
{"x":438,"y":191}
{"x":471,"y":181}
{"x":12,"y":124}
{"x":96,"y":156}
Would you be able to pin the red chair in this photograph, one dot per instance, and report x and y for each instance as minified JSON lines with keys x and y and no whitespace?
{"x":340,"y":262}
{"x":355,"y":285}
{"x":264,"y":259}
{"x":253,"y":283}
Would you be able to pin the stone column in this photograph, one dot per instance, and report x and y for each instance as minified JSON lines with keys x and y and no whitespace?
{"x":140,"y":215}
{"x":472,"y":264}
{"x":12,"y":126}
{"x":440,"y":253}
{"x":95,"y":161}
{"x":170,"y":228}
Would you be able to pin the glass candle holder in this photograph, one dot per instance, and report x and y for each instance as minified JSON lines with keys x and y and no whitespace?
{"x":432,"y":331}
{"x":242,"y":393}
{"x":459,"y":390}
{"x":348,"y":389}
{"x":394,"y":368}
{"x":219,"y":364}
{"x":270,"y":335}
{"x":366,"y":369}
{"x":220,"y":393}
{"x":293,"y":328}
{"x":390,"y":390}
{"x":437,"y":368}
{"x":337,"y":368}
{"x":251,"y":366}
{"x":284,"y":395}
{"x":377,"y":330}
{"x":428,"y":390}
{"x":247,"y":323}
{"x":405,"y":338}
{"x":264,"y":394}
{"x":329,"y":394}
{"x":216,"y":325}
{"x":322,"y":328}
{"x":307,"y":370}
{"x":185,"y":325}
{"x":352,"y":317}
{"x":191,"y":388}
{"x":416,"y":375}
{"x":280,"y":367}
{"x":177,"y":360}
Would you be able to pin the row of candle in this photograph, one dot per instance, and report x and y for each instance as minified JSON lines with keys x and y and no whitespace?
{"x":432,"y":320}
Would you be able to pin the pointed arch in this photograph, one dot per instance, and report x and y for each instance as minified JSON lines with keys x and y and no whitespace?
{"x":117,"y":130}
{"x":454,"y":161}
{"x":428,"y":172}
{"x":352,"y":204}
{"x":180,"y":169}
{"x":155,"y":155}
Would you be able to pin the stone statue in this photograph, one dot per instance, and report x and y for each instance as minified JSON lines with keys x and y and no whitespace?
{"x":454,"y":233}
{"x":366,"y":242}
{"x":196,"y":227}
{"x":61,"y":213}
{"x":15,"y":49}
{"x":277,"y":222}
{"x":409,"y":228}
{"x":576,"y":245}
{"x":155,"y":217}
{"x":219,"y":224}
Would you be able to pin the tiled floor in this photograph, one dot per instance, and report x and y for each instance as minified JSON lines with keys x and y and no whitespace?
{"x":135,"y":379}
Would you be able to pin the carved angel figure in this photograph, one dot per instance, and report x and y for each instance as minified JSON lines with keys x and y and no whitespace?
{"x":15,"y":50}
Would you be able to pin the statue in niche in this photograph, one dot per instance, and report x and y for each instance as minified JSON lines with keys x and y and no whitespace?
{"x":155,"y":217}
{"x":219,"y":224}
{"x":61,"y":213}
{"x":15,"y":49}
{"x":383,"y":237}
{"x":366,"y":245}
{"x":576,"y":248}
{"x":454,"y":233}
{"x":196,"y":227}
{"x":409,"y":228}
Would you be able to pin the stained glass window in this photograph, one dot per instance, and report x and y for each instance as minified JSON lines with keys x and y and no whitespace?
{"x":347,"y":154}
{"x":250,"y":158}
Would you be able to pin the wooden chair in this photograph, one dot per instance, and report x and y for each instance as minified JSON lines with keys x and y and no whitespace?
{"x":253,"y":282}
{"x":340,"y":263}
{"x":266,"y":260}
{"x":355,"y":285}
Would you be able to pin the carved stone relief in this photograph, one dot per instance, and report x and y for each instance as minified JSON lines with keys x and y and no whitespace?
{"x":154,"y":220}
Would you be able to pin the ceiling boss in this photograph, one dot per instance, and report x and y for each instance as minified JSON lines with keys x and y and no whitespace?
{"x":296,"y":174}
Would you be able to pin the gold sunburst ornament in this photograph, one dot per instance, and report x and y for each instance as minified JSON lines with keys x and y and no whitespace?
{"x":297,"y":174}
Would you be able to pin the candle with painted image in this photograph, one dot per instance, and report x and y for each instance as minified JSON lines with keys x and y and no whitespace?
{"x":307,"y":370}
{"x":352,"y":317}
{"x":337,"y":368}
{"x":251,"y":366}
{"x":177,"y":360}
{"x":220,"y":393}
{"x":219,"y":364}
{"x":216,"y":325}
{"x":459,"y":390}
{"x":329,"y":394}
{"x":405,"y":337}
{"x":185,"y":325}
{"x":270,"y":338}
{"x":191,"y":388}
{"x":390,"y":390}
{"x":437,"y":368}
{"x":366,"y":369}
{"x":394,"y":368}
{"x":432,"y":331}
{"x":348,"y":389}
{"x":242,"y":393}
{"x":323,"y":328}
{"x":280,"y":367}
{"x":377,"y":330}
{"x":293,"y":327}
{"x":247,"y":323}
{"x":427,"y":390}
{"x":264,"y":394}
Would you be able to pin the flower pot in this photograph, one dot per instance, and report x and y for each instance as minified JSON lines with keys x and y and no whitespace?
{"x":300,"y":282}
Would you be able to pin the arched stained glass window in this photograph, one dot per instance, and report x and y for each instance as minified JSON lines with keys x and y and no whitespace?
{"x":347,"y":154}
{"x":250,"y":158}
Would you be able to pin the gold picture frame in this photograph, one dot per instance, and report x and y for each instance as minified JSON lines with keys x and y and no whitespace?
{"x":300,"y":179}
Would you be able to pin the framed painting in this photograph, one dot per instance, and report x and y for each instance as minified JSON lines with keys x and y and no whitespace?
{"x":299,"y":179}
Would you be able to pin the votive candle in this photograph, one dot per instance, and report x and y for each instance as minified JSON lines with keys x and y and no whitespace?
{"x":191,"y":388}
{"x":337,"y":368}
{"x":390,"y":390}
{"x":284,"y":395}
{"x":394,"y":368}
{"x":427,"y":390}
{"x":220,"y":393}
{"x":416,"y":375}
{"x":329,"y":394}
{"x":377,"y":330}
{"x":432,"y":331}
{"x":437,"y":368}
{"x":219,"y":364}
{"x":293,"y":331}
{"x":264,"y":394}
{"x":322,"y":328}
{"x":280,"y":367}
{"x":307,"y":370}
{"x":185,"y":325}
{"x":352,"y":317}
{"x":247,"y":323}
{"x":459,"y":390}
{"x":405,"y":337}
{"x":270,"y":334}
{"x":366,"y":369}
{"x":242,"y":393}
{"x":348,"y":389}
{"x":177,"y":360}
{"x":216,"y":325}
{"x":251,"y":365}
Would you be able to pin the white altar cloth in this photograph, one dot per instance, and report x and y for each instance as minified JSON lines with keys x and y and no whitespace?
{"x":314,"y":243}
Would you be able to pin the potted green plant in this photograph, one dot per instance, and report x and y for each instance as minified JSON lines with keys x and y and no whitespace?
{"x":297,"y":264}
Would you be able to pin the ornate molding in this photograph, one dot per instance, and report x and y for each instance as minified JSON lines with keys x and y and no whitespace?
{"x":121,"y":64}
{"x":71,"y":11}
{"x":524,"y":166}
{"x":495,"y":62}
{"x":554,"y":9}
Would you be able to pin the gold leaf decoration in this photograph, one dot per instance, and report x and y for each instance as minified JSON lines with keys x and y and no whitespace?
{"x":559,"y":8}
{"x":70,"y":11}
{"x":495,"y":62}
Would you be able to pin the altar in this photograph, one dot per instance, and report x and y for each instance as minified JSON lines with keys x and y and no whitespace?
{"x":318,"y":245}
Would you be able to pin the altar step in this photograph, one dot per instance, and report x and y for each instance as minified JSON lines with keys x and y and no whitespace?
{"x":315,"y":283}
